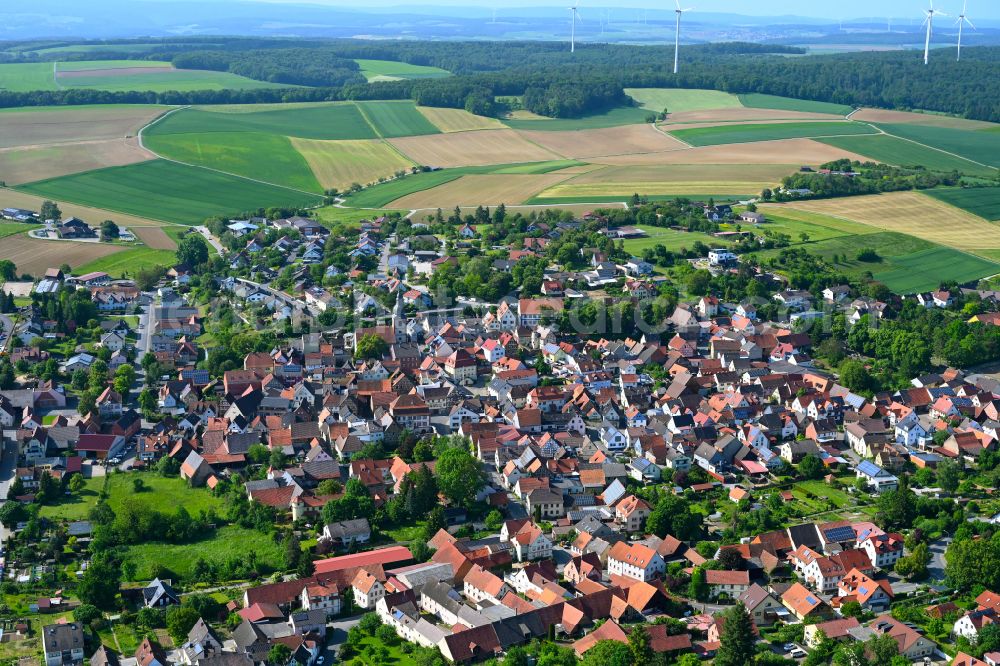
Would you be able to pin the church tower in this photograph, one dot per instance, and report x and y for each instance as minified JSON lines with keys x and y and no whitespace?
{"x":399,"y":318}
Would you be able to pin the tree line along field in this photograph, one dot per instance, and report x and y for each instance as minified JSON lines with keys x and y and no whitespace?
{"x":169,"y":191}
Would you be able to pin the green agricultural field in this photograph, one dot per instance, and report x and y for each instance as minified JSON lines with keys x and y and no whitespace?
{"x":676,"y":100}
{"x":224,"y":544}
{"x":168,"y":191}
{"x":390,"y":70}
{"x":24,"y":77}
{"x":908,"y":264}
{"x":925,"y":270}
{"x":535,"y":168}
{"x":983,"y":147}
{"x":748,"y":133}
{"x":396,"y":119}
{"x":319,"y":121}
{"x":130,"y":262}
{"x":761,"y":101}
{"x":183,"y":80}
{"x":266,"y":157}
{"x":899,"y":152}
{"x":12,"y":228}
{"x":818,"y":227}
{"x":87,"y":65}
{"x":981,"y":201}
{"x":622,"y":115}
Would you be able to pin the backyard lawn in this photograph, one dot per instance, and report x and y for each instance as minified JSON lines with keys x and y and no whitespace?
{"x":76,"y":506}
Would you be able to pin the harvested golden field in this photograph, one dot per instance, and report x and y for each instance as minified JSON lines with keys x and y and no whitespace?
{"x":476,"y":148}
{"x":914,"y":214}
{"x":458,"y":120}
{"x":743,"y":114}
{"x":624,"y":140}
{"x":28,"y":164}
{"x":34,"y":256}
{"x":671,"y":179}
{"x":94,"y":216}
{"x":480,"y":189}
{"x":155,"y":238}
{"x":33,"y":126}
{"x":340,"y":164}
{"x":784,"y":151}
{"x":928,"y":119}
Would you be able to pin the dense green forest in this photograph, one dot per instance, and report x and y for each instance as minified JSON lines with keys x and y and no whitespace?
{"x":555,"y":81}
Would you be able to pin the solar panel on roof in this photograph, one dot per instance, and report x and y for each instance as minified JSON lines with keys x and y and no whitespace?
{"x":863,"y":590}
{"x":845,"y":533}
{"x":811,"y":600}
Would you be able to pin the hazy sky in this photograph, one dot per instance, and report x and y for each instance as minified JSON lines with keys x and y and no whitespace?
{"x":846,"y":9}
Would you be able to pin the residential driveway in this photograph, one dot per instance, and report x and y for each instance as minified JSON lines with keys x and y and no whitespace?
{"x":935,"y":568}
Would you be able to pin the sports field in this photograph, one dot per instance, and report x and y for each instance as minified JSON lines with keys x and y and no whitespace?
{"x":675,"y":100}
{"x":725,"y":134}
{"x":458,"y":120}
{"x":472,"y":148}
{"x":761,"y":101}
{"x":314,"y":121}
{"x":983,"y":147}
{"x":33,"y":126}
{"x":981,"y":201}
{"x":911,"y":213}
{"x":597,"y":143}
{"x":394,"y":119}
{"x":168,"y":191}
{"x":390,"y":70}
{"x":26,"y":164}
{"x":34,"y":256}
{"x":340,"y":164}
{"x":268,"y":157}
{"x":900,"y":152}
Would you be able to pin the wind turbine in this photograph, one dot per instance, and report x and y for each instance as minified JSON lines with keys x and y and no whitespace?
{"x":962,"y":20}
{"x":929,"y":22}
{"x":677,"y":32}
{"x":572,"y":33}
